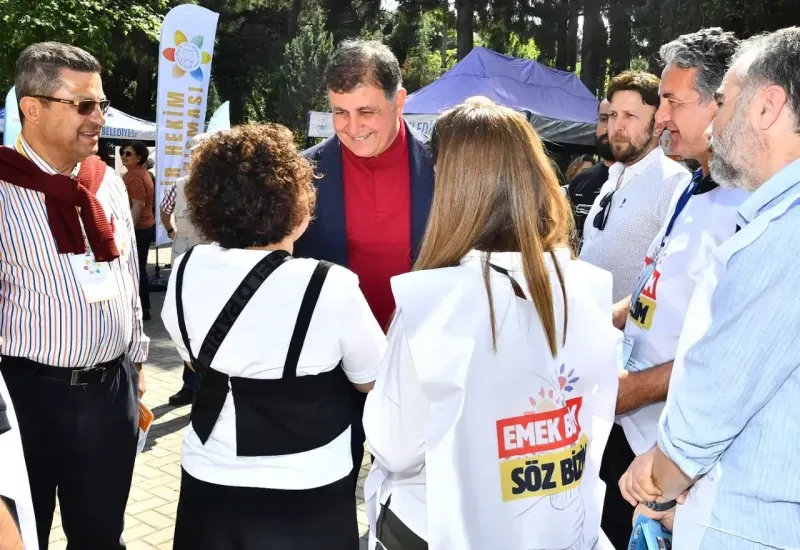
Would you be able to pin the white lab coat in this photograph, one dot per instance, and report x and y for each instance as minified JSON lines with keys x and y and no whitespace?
{"x":477,"y":447}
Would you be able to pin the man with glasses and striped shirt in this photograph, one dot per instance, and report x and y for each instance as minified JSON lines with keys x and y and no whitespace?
{"x":70,"y":316}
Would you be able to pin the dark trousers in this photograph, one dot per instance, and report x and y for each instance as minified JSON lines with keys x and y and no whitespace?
{"x":80,"y":440}
{"x":188,"y":377}
{"x":393,"y":534}
{"x":144,"y":238}
{"x":617,"y":518}
{"x":220,"y":517}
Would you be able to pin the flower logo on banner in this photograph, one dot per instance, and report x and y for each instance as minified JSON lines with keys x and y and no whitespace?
{"x":188,"y":56}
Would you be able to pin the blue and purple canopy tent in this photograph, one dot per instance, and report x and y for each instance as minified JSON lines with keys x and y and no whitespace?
{"x":557,"y":104}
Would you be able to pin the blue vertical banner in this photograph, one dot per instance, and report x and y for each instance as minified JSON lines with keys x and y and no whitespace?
{"x":11,"y":124}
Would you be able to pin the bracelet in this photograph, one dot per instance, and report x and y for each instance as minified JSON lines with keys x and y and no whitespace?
{"x":661,"y":506}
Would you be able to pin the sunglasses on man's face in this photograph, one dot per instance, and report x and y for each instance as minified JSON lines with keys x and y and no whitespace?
{"x":601,"y":218}
{"x":85,"y":106}
{"x":127,"y":154}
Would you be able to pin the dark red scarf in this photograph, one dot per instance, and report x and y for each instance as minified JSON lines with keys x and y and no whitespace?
{"x":62,"y":196}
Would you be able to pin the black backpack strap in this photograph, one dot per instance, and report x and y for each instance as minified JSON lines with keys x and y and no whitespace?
{"x":310,"y":298}
{"x":514,"y":284}
{"x":179,"y":303}
{"x":236,"y":304}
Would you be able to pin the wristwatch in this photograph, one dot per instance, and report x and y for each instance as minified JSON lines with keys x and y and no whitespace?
{"x":170,"y":231}
{"x":661,"y":506}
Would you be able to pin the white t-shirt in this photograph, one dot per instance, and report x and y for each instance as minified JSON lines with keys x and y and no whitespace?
{"x":637,"y":211}
{"x":654,"y":324}
{"x":342,"y":328}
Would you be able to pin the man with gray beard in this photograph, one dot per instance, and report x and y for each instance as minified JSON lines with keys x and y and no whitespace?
{"x":728,"y":434}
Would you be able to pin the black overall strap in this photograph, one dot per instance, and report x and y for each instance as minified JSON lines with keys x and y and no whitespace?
{"x":179,"y":304}
{"x":307,"y":306}
{"x":514,"y":284}
{"x":236,"y":304}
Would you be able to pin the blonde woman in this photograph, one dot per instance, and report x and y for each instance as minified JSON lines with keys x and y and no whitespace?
{"x":496,"y":396}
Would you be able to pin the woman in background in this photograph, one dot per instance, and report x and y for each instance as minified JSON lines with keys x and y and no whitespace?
{"x":142,"y":195}
{"x":495,"y":398}
{"x":578,"y":165}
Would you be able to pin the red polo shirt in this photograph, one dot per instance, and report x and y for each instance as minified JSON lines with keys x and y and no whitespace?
{"x":377,"y":207}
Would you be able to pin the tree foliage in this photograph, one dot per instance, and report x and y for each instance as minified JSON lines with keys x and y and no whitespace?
{"x":270,"y":54}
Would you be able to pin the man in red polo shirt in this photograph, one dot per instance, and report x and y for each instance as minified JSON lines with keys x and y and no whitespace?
{"x":375,"y":186}
{"x":376,"y":175}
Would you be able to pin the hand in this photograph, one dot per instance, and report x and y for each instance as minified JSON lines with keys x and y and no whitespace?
{"x":142,"y":382}
{"x":667,"y":519}
{"x":619,"y":313}
{"x":636,"y":484}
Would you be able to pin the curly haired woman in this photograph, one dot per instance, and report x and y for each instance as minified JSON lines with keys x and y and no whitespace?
{"x":278,"y":345}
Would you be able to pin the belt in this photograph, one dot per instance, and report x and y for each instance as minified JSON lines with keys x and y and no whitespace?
{"x":74,"y":376}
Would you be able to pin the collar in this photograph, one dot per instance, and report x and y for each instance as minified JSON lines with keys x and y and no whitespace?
{"x":705,"y":184}
{"x":24,"y":148}
{"x":770,"y":191}
{"x":639,"y":167}
{"x":512,"y":261}
{"x":390,"y":157}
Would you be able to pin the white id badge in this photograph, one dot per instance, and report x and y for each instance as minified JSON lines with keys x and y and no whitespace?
{"x":627,"y":349}
{"x":96,"y":280}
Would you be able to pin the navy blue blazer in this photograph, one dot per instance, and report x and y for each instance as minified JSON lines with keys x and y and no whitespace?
{"x":326,"y":237}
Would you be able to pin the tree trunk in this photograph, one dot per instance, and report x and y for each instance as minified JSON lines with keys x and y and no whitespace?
{"x":443,"y":50}
{"x":294,"y":19}
{"x":572,"y":35}
{"x":144,"y":85}
{"x":593,"y":54}
{"x":465,"y":27}
{"x":562,"y":49}
{"x":619,"y":17}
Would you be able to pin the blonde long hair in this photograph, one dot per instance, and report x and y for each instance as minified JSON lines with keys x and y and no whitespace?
{"x":496,"y":191}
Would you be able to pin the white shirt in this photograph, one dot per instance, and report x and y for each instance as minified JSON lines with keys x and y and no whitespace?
{"x":654,"y":325}
{"x":637,"y":211}
{"x":342,"y":328}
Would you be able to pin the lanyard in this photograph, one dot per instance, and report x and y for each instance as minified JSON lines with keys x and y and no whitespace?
{"x":682,"y":202}
{"x":647,"y":272}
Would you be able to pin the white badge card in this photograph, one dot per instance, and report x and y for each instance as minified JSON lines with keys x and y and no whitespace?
{"x":627,"y":349}
{"x":96,"y":280}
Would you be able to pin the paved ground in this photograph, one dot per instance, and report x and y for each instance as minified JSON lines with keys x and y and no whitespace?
{"x":150,"y":516}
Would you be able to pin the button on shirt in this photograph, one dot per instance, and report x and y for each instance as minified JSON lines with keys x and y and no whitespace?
{"x":656,"y":318}
{"x":734,"y":399}
{"x":342,"y":328}
{"x":377,"y":203}
{"x":638,"y":209}
{"x":44,"y":315}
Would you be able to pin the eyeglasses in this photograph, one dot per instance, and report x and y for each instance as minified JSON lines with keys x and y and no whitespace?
{"x":127,"y":154}
{"x":85,"y":106}
{"x":601,"y":218}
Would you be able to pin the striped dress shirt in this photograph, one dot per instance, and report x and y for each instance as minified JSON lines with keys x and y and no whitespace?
{"x":44,"y":315}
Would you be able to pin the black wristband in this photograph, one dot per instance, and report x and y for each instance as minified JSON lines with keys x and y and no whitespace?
{"x":661,"y":506}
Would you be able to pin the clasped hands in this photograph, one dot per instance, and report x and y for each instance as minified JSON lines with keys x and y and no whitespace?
{"x":637,"y":486}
